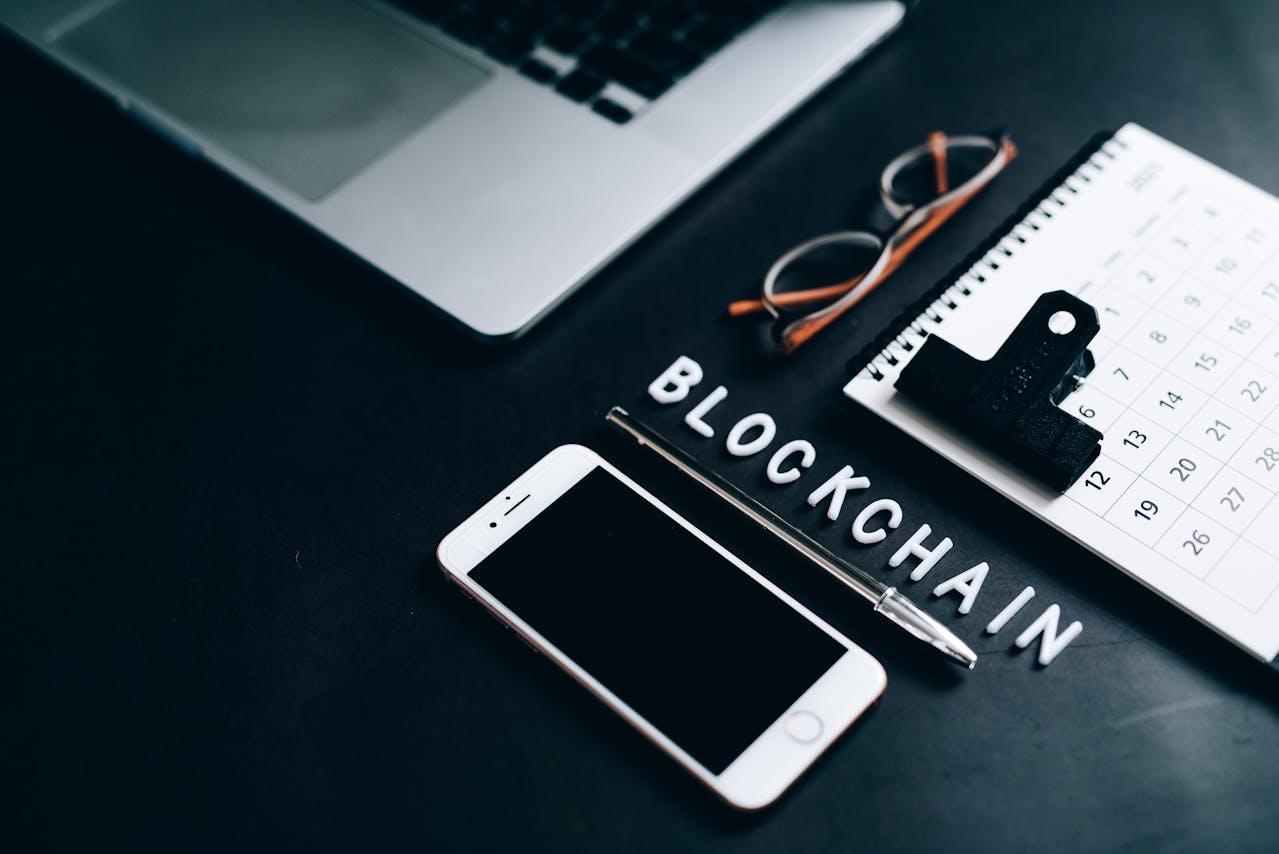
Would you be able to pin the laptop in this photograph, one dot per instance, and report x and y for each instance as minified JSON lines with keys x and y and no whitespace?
{"x":490,"y":155}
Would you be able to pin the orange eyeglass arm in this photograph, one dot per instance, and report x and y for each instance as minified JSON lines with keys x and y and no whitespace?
{"x":936,"y":143}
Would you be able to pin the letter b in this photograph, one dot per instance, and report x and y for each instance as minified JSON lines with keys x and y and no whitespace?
{"x":673,"y":384}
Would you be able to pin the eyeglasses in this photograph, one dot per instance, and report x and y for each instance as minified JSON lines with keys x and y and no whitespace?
{"x":921,"y":188}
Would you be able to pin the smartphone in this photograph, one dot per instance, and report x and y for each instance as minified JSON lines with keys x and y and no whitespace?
{"x":731,"y":677}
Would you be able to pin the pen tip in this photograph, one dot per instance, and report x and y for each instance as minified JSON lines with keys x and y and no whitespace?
{"x":964,"y":655}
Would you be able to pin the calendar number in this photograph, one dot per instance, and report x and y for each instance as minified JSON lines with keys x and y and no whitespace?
{"x":1197,"y":542}
{"x":1157,"y":336}
{"x":1097,"y":480}
{"x":1268,"y":458}
{"x":1226,"y":266}
{"x":1219,"y":430}
{"x":1192,"y":300}
{"x":1206,"y":362}
{"x":1087,"y":412}
{"x":1271,"y":290}
{"x":1240,"y":325}
{"x":1253,"y":391}
{"x":1146,"y":510}
{"x":1233,"y":499}
{"x":1135,"y":438}
{"x":1183,"y":468}
{"x":1171,"y":400}
{"x":1119,"y":372}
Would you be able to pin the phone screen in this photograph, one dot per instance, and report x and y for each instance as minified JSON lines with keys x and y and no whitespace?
{"x":693,"y":644}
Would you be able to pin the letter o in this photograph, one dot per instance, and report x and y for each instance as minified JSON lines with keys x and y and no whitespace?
{"x":767,"y":430}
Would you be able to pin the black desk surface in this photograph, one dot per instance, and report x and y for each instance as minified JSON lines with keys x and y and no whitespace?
{"x":230,"y":450}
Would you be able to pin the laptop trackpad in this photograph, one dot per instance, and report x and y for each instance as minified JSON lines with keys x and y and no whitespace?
{"x":307,"y":91}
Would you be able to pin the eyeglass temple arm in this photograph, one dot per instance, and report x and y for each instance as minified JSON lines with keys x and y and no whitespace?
{"x":936,"y":143}
{"x":743,"y":307}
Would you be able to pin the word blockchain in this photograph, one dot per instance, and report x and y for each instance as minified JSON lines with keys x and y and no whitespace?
{"x":754,"y":434}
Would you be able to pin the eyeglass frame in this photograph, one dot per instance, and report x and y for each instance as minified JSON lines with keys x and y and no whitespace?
{"x":913,"y":224}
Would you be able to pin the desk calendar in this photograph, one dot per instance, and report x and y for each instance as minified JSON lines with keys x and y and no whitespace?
{"x":1181,"y":261}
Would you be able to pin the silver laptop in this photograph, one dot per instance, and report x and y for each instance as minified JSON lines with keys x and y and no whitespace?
{"x":488,"y":154}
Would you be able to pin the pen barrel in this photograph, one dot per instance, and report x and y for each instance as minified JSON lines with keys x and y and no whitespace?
{"x":904,"y":613}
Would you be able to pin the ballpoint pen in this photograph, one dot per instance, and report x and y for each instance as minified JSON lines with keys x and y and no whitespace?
{"x":886,"y":600}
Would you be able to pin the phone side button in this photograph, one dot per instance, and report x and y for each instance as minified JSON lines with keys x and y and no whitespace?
{"x":803,"y":726}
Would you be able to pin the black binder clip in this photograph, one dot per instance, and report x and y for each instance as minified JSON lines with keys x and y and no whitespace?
{"x":1009,"y":403}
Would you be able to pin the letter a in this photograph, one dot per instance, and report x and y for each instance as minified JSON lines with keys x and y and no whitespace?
{"x":968,"y":583}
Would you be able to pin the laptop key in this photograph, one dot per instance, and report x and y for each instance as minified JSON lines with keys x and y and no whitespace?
{"x":529,"y":20}
{"x":664,"y":52}
{"x":670,"y":17}
{"x":615,"y":24}
{"x":508,"y":47}
{"x":626,"y":70}
{"x":568,"y":40}
{"x":580,"y":85}
{"x":535,"y":69}
{"x":612,"y":111}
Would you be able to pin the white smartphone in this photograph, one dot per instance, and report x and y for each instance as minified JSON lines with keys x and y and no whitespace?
{"x":741,"y":684}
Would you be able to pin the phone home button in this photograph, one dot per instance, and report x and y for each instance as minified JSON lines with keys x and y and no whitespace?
{"x":803,"y":726}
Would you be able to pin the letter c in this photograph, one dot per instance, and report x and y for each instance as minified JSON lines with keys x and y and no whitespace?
{"x":807,"y":454}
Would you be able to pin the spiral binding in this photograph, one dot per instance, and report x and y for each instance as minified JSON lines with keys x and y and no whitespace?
{"x":921,"y":318}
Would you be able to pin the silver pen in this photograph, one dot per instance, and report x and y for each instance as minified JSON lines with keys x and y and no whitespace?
{"x":887,"y":600}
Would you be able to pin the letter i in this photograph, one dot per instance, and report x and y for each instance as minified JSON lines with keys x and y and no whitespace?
{"x":1010,"y":611}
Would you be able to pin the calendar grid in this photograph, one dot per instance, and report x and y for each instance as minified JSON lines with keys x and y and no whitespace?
{"x":1137,"y":295}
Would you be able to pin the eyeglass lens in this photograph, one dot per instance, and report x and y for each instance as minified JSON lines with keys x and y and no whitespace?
{"x":916,"y":183}
{"x":833,"y":263}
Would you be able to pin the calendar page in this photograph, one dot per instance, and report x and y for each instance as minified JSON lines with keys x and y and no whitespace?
{"x":1181,"y":261}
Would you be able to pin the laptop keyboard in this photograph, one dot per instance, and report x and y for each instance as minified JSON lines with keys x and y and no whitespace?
{"x":614,"y":56}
